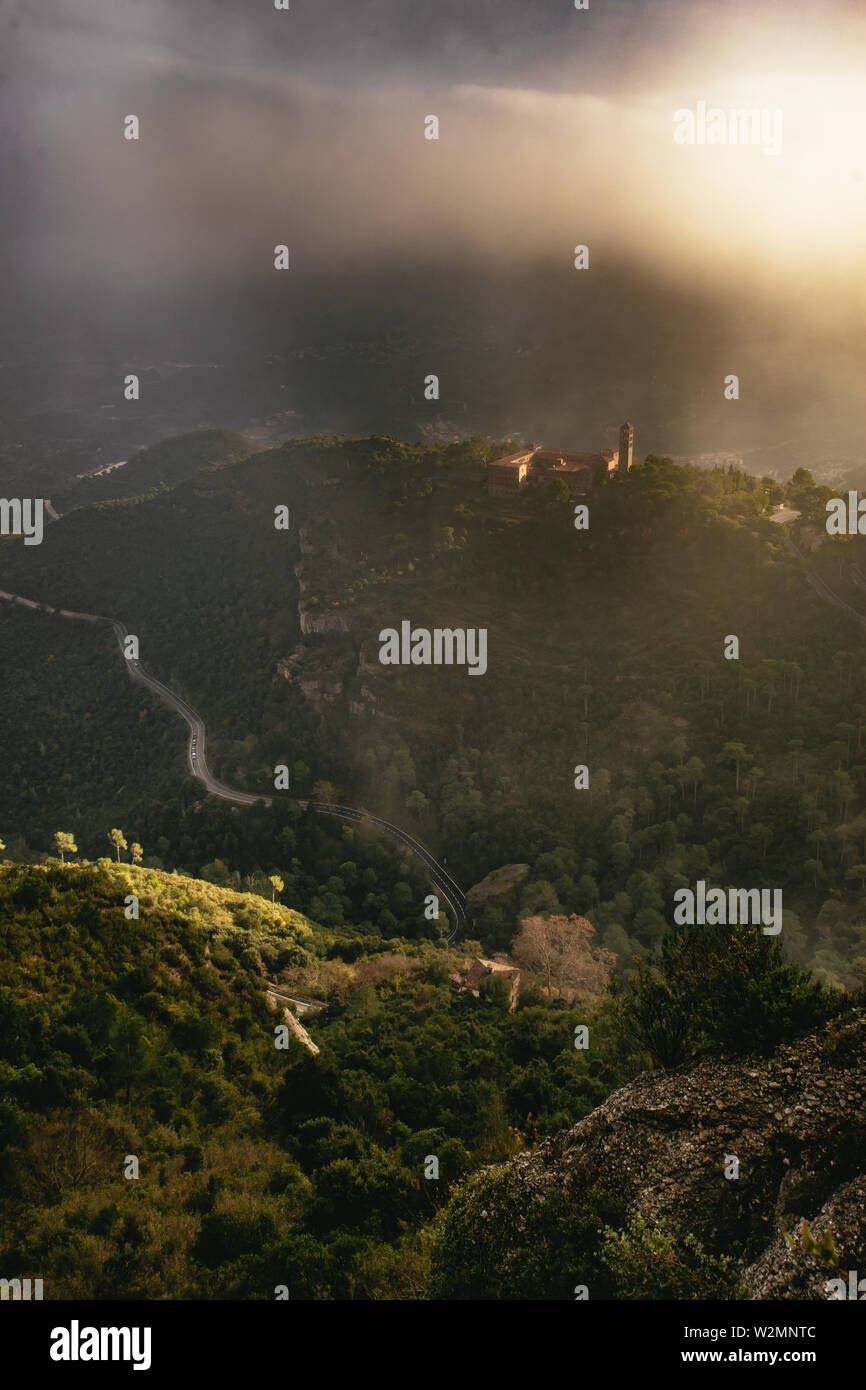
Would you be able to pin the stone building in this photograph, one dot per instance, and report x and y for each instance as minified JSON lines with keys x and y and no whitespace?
{"x":535,"y":464}
{"x":480,"y":969}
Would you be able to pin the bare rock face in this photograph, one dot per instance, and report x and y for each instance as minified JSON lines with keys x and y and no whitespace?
{"x":793,"y":1269}
{"x":498,"y":883}
{"x":365,"y":666}
{"x":295,"y":1028}
{"x":319,"y":686}
{"x":796,"y":1124}
{"x":287,"y":667}
{"x":323,"y":622}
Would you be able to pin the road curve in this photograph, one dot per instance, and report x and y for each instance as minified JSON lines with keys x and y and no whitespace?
{"x":197,"y":762}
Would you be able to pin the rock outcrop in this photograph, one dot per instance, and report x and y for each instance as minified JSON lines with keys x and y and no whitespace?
{"x":295,"y":1028}
{"x":322,"y":622}
{"x":795,"y":1122}
{"x":499,"y":883}
{"x":319,"y":681}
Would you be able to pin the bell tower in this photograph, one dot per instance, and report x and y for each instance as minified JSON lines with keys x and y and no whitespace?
{"x":626,"y":446}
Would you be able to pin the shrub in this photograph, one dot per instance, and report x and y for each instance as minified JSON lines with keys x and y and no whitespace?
{"x":648,"y":1263}
{"x":497,"y":1239}
{"x":224,"y":1237}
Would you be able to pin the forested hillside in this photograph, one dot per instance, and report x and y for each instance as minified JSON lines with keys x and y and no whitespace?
{"x":158,"y":468}
{"x":308,"y":1167}
{"x":258,"y":1167}
{"x":745,"y":771}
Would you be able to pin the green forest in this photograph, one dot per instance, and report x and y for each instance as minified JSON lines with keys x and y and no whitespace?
{"x":746,"y":772}
{"x":260,"y":1168}
{"x":153,"y":1037}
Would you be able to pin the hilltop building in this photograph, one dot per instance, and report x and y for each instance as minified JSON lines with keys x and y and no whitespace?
{"x":626,"y":446}
{"x":535,"y":464}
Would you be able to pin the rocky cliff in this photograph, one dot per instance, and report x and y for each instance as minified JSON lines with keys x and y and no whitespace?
{"x":793,"y":1126}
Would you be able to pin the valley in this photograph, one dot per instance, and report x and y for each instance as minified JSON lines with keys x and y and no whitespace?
{"x":669,"y":793}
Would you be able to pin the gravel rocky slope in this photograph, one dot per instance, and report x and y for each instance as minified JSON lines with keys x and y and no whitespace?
{"x":796,"y":1121}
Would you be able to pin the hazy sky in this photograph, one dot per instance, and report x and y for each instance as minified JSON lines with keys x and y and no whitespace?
{"x":306,"y":127}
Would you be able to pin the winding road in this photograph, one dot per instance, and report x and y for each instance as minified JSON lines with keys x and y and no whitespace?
{"x":442,"y":881}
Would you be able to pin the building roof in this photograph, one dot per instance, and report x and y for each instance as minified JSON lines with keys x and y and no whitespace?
{"x":555,"y":458}
{"x":513,"y":460}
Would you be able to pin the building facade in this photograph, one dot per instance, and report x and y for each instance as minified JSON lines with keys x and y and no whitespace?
{"x":535,"y":464}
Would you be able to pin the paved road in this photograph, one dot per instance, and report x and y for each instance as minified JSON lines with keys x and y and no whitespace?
{"x":304,"y":1005}
{"x":442,"y":881}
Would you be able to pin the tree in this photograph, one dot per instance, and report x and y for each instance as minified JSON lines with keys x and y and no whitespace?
{"x":325,"y":793}
{"x":118,"y":839}
{"x":696,"y":770}
{"x":417,"y":804}
{"x":127,"y":1050}
{"x":136,"y":852}
{"x":736,"y":753}
{"x":65,"y":844}
{"x":560,"y":953}
{"x":719,"y":987}
{"x":217,"y":872}
{"x":816,"y":869}
{"x":277,"y":885}
{"x":69,"y":1152}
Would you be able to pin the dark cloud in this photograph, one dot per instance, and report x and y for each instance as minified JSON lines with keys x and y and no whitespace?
{"x":305,"y":127}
